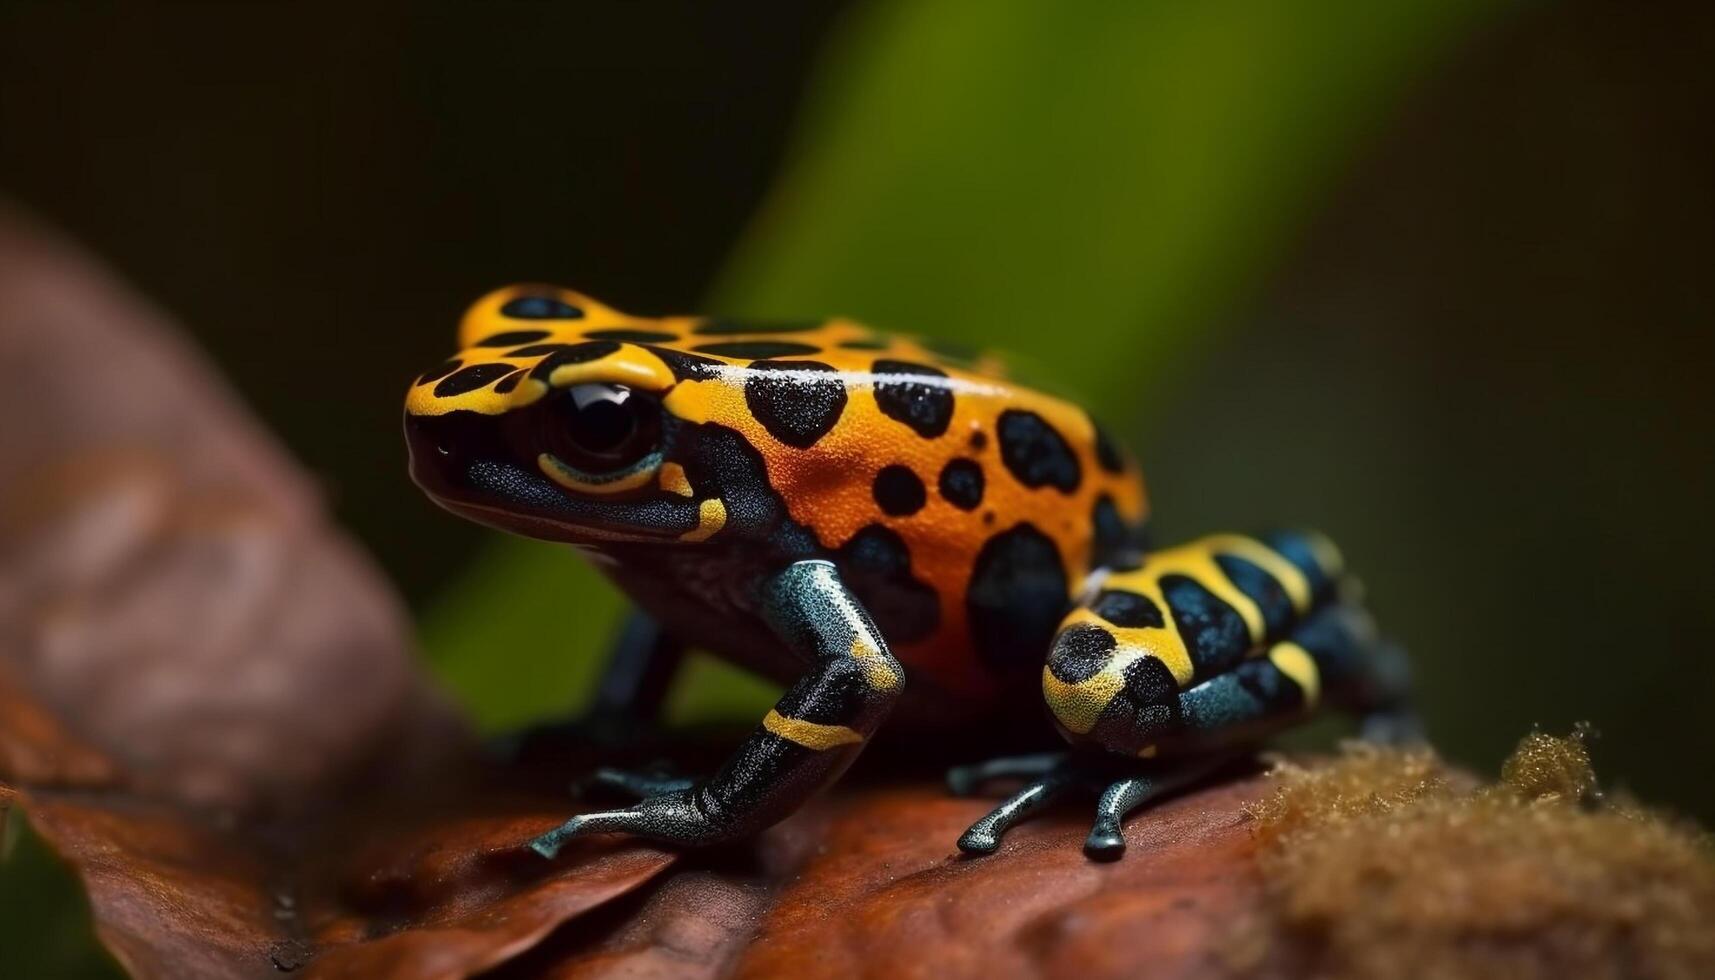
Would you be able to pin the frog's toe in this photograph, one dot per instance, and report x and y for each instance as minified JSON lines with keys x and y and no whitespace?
{"x":584,"y":824}
{"x":548,"y":845}
{"x":671,"y":818}
{"x":1105,"y":844}
{"x":983,"y":837}
{"x":979,"y":841}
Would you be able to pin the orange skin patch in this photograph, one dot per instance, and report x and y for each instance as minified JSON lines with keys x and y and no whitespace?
{"x":828,"y":486}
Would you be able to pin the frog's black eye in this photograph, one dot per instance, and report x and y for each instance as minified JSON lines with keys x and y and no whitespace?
{"x":599,"y":428}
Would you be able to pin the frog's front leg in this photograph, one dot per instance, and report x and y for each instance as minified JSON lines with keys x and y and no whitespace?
{"x":810,"y":736}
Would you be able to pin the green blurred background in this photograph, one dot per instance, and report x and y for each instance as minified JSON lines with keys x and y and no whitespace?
{"x":1432,"y":275}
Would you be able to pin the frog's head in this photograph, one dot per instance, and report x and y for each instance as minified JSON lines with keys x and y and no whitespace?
{"x":554,"y":420}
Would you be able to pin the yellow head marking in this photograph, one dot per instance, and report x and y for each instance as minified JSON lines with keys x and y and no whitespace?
{"x":554,"y":469}
{"x":711,"y":517}
{"x":630,"y":366}
{"x":489,"y":315}
{"x":810,"y":734}
{"x":674,"y":480}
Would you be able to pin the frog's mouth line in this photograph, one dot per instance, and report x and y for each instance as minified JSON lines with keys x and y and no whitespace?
{"x":638,"y":474}
{"x":547,"y":528}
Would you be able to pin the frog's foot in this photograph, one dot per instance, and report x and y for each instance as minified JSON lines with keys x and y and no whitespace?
{"x":677,"y":817}
{"x":1123,"y":785}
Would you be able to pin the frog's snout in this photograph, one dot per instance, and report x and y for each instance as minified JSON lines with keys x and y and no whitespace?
{"x":441,"y":450}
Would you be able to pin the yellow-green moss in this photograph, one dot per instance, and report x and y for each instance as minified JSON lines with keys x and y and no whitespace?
{"x":1386,"y":863}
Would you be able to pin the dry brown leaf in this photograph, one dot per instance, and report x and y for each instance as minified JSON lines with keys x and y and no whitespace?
{"x":208,"y":700}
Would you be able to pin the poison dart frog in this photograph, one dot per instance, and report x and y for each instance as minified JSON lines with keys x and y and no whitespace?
{"x":891,"y":530}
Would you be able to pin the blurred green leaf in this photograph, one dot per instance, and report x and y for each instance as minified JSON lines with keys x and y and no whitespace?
{"x":44,"y":917}
{"x":1092,"y":186}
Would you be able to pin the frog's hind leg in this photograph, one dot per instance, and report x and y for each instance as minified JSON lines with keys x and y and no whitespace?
{"x":1198,"y":731}
{"x":1177,"y":667}
{"x":1362,"y":674}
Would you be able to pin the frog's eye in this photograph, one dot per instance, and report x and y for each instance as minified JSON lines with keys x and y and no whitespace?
{"x":599,"y":428}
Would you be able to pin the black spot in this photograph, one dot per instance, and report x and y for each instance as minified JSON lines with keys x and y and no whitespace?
{"x":866,"y":343}
{"x":1149,"y":682}
{"x":751,"y":350}
{"x":1080,"y":653}
{"x":687,"y":367}
{"x":876,"y":565}
{"x":716,"y":456}
{"x":1128,"y":609}
{"x":979,"y":441}
{"x":512,"y":338}
{"x":1145,"y":709}
{"x":540,"y":308}
{"x":1107,"y":454}
{"x":924,"y":405}
{"x":1115,"y":541}
{"x":961,"y":483}
{"x":633,"y":336}
{"x":1268,"y":684}
{"x":1016,"y":598}
{"x":510,"y":381}
{"x":440,"y":372}
{"x":796,"y":410}
{"x":559,"y":354}
{"x":898,"y":491}
{"x":718,"y":326}
{"x":470,"y":379}
{"x":1214,"y":632}
{"x":1036,"y":454}
{"x":1262,"y":589}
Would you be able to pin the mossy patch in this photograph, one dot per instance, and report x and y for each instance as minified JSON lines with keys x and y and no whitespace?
{"x":1387,"y":863}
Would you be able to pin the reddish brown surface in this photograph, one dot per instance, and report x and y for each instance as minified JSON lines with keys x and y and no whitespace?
{"x":210,"y":709}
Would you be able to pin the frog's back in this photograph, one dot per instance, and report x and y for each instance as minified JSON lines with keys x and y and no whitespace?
{"x":963,"y":508}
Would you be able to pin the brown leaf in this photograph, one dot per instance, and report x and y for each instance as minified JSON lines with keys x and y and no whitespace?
{"x":208,"y":701}
{"x":884,"y":889}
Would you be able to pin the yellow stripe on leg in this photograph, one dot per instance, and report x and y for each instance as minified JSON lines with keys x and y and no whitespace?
{"x":810,"y":734}
{"x":879,"y":670}
{"x":711,"y":517}
{"x":1295,"y":662}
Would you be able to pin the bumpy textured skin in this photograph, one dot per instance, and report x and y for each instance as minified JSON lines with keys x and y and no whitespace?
{"x":962,"y":508}
{"x":881,"y":523}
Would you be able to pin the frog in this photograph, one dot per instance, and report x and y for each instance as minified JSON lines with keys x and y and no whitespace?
{"x":899,"y":534}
